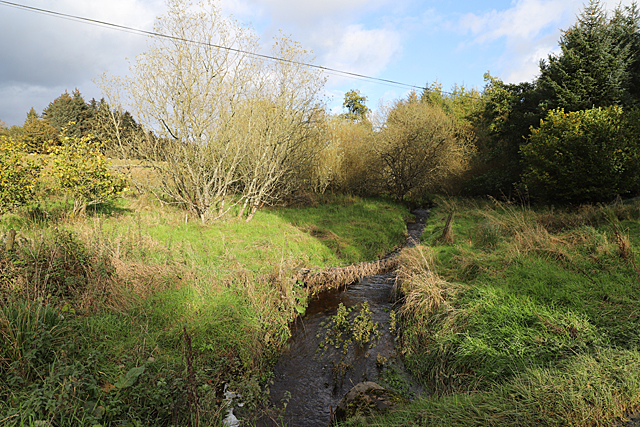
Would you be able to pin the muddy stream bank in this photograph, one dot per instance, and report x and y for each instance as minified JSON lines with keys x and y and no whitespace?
{"x":312,"y":380}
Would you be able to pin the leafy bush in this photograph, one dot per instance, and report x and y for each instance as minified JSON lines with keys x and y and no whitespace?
{"x":583,"y":156}
{"x":82,"y":172}
{"x":18,"y":175}
{"x":420,"y":149}
{"x":347,"y":161}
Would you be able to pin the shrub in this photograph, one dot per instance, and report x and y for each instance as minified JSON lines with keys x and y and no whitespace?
{"x":348,"y":161}
{"x":420,"y":149}
{"x":18,"y":175}
{"x":82,"y":172}
{"x":583,"y":156}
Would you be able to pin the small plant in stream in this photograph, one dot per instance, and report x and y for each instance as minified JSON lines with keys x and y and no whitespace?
{"x":393,"y":322}
{"x":364,"y":330}
{"x":344,"y":328}
{"x":337,"y":331}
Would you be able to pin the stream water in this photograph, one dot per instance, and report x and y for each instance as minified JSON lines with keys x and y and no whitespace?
{"x":313,"y":381}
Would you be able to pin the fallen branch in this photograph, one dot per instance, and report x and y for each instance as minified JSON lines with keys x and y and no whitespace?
{"x":338,"y":277}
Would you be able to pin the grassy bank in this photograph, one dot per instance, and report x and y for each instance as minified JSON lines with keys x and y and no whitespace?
{"x":529,"y":317}
{"x":136,"y":315}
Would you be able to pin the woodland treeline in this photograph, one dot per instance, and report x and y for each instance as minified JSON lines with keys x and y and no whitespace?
{"x":228,"y":130}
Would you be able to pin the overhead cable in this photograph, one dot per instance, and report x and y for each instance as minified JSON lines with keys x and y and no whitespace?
{"x":230,"y":49}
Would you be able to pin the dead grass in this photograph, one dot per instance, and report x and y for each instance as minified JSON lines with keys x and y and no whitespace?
{"x":424,"y":291}
{"x":89,"y":268}
{"x":141,"y":174}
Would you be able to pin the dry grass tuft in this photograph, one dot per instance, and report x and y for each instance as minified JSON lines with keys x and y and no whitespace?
{"x":136,"y":281}
{"x":423,"y":289}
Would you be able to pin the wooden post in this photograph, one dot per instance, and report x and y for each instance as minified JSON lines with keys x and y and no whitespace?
{"x":447,"y":233}
{"x":11,"y":238}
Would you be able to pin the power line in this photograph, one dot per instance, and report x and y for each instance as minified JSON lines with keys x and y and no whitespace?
{"x":230,"y":49}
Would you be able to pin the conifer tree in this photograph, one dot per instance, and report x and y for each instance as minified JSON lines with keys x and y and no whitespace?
{"x":69,"y":112}
{"x":37,"y":135}
{"x":626,"y":27}
{"x":594,"y":66}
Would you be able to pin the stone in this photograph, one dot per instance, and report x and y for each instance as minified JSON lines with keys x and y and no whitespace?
{"x":365,"y":399}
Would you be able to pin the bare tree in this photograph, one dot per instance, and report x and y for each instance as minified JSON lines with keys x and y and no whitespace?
{"x":186,"y":90}
{"x":282,"y":118}
{"x":227,"y":124}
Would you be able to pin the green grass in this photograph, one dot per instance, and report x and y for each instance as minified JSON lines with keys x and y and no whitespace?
{"x":341,"y":232}
{"x":585,"y":390}
{"x":528,"y":318}
{"x":345,"y":227}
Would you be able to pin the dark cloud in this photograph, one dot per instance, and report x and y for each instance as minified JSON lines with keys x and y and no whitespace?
{"x":42,"y":55}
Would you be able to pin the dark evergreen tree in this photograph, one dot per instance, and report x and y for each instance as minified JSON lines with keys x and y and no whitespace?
{"x":594,"y":68}
{"x":70,"y":112}
{"x":625,"y":25}
{"x":510,"y":110}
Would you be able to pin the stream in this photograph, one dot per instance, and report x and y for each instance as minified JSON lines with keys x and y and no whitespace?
{"x":311,"y":380}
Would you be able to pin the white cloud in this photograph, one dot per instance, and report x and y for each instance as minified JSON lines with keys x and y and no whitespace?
{"x":42,"y":51}
{"x":526,"y":19}
{"x":361,"y":50}
{"x":332,"y":29}
{"x":336,"y":110}
{"x":44,"y":55}
{"x":529,"y":30}
{"x":301,"y":12}
{"x":526,"y":67}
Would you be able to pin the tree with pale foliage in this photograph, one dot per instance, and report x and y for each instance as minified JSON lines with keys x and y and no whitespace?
{"x":279,"y":121}
{"x":419,"y":148}
{"x":224,"y":126}
{"x":37,"y":135}
{"x":348,"y":159}
{"x":111,"y":123}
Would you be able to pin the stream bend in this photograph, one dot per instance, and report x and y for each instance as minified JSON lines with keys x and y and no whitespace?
{"x":313,"y":382}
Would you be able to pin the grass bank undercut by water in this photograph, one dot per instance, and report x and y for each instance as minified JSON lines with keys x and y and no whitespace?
{"x":135,"y":315}
{"x":528,"y":317}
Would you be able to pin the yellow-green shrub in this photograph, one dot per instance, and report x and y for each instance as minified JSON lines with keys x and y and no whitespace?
{"x":348,"y":159}
{"x":18,"y":175}
{"x":82,"y":172}
{"x":422,"y":149}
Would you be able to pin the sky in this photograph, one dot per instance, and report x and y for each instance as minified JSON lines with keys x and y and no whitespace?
{"x":415,"y":42}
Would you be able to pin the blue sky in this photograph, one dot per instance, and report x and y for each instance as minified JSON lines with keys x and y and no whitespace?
{"x":411,"y":41}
